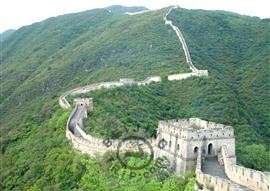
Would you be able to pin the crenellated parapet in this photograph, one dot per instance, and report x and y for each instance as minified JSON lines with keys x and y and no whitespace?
{"x":91,"y":145}
{"x":253,"y":179}
{"x":63,"y":102}
{"x":207,"y":181}
{"x":182,"y":76}
{"x":196,"y":129}
{"x":86,"y":102}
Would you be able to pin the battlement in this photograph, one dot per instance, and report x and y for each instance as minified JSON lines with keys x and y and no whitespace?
{"x":106,"y":85}
{"x":127,"y":80}
{"x":253,"y":179}
{"x":87,"y":102}
{"x":202,"y":72}
{"x":195,"y":128}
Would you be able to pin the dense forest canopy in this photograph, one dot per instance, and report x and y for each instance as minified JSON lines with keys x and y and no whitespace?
{"x":41,"y":61}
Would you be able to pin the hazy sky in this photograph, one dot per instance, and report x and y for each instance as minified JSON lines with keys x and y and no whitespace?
{"x":17,"y":13}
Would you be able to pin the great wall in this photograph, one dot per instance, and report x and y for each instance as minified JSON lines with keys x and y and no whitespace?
{"x":192,"y":144}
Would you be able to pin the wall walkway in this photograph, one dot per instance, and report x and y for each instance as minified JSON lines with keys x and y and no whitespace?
{"x":85,"y":143}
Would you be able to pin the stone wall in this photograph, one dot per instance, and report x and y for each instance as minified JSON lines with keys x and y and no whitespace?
{"x":63,"y":102}
{"x":183,"y":76}
{"x":198,"y":133}
{"x":186,"y":51}
{"x":92,"y":87}
{"x":88,"y":144}
{"x":149,"y":80}
{"x":185,"y":137}
{"x":87,"y":102}
{"x":179,"y":149}
{"x":195,"y":71}
{"x":252,"y":179}
{"x":93,"y":146}
{"x":212,"y":182}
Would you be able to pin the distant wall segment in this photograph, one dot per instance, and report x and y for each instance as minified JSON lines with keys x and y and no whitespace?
{"x":195,"y":71}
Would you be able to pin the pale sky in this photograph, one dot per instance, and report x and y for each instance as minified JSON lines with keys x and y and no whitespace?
{"x":17,"y":13}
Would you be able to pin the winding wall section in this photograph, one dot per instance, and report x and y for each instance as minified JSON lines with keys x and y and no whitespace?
{"x":239,"y":177}
{"x":91,"y":145}
{"x":195,"y":71}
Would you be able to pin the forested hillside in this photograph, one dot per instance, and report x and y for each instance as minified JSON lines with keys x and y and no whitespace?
{"x":41,"y":61}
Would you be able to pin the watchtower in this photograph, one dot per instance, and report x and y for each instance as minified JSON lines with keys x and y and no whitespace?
{"x":86,"y":102}
{"x":183,"y":138}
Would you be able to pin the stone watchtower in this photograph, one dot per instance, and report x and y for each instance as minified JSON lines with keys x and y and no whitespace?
{"x":86,"y":102}
{"x":183,"y":139}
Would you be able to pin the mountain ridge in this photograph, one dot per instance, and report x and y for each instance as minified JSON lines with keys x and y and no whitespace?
{"x":124,"y":9}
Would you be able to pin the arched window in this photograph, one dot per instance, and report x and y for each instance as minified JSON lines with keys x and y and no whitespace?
{"x":178,"y":147}
{"x":195,"y":149}
{"x":210,"y":149}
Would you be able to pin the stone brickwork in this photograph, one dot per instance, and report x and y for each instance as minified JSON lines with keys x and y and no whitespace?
{"x":208,"y":182}
{"x":183,"y":76}
{"x":92,"y":87}
{"x":237,"y":176}
{"x":252,"y":179}
{"x":186,"y":137}
{"x":86,"y":143}
{"x":187,"y":142}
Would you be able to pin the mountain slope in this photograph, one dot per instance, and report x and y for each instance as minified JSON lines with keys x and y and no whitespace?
{"x":4,"y":35}
{"x":43,"y":60}
{"x":236,"y":50}
{"x":72,"y":57}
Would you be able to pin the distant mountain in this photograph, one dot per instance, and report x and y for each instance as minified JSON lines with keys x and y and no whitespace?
{"x":123,"y":9}
{"x":6,"y":34}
